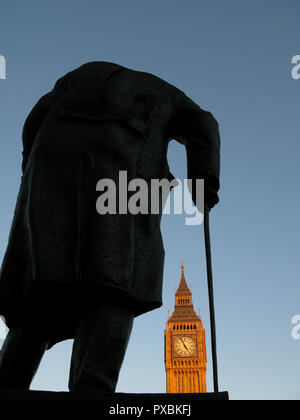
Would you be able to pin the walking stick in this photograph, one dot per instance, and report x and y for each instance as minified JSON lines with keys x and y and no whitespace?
{"x":211,"y":297}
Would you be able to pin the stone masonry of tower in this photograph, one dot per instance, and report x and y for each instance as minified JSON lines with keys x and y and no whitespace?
{"x":185,"y":347}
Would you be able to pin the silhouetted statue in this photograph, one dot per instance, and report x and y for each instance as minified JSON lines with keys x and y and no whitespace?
{"x":69,"y":272}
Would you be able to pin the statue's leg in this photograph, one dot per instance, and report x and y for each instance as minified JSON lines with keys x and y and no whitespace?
{"x":99,"y":348}
{"x":20,"y":356}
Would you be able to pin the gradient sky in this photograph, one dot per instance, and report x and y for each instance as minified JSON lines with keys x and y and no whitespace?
{"x":233,"y":58}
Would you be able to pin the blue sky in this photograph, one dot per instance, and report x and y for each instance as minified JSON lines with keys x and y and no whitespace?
{"x":234,"y":59}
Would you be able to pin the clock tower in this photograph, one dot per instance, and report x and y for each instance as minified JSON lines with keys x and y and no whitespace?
{"x":185,"y":348}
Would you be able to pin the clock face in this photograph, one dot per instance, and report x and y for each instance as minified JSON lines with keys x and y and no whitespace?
{"x":185,"y":346}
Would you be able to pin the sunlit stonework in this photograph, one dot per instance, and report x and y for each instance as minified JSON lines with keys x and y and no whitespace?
{"x":185,"y":348}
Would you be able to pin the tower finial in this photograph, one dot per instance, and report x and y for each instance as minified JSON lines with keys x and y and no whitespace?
{"x":182,"y":263}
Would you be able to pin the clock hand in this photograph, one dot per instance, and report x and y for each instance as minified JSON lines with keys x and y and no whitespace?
{"x":184,"y":344}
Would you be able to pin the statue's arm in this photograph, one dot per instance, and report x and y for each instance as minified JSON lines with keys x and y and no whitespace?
{"x":198,"y":130}
{"x":36,"y":117}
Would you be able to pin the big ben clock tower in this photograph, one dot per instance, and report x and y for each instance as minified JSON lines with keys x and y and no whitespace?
{"x":185,"y":348}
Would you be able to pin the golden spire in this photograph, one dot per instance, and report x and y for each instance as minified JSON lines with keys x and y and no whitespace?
{"x":183,"y":287}
{"x":184,"y":309}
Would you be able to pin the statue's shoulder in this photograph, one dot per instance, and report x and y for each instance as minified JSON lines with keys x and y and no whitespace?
{"x":155,"y":82}
{"x":97,"y":66}
{"x":92,"y":70}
